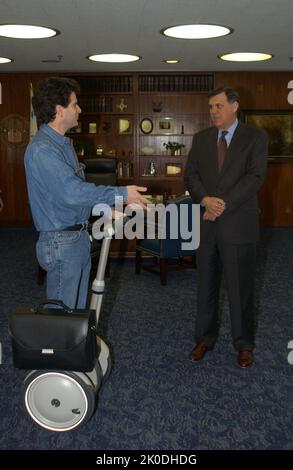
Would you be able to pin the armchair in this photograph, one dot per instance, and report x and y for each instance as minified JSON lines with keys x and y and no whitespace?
{"x":167,"y":253}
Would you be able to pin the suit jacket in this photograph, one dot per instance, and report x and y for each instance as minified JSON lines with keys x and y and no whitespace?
{"x":237,"y":184}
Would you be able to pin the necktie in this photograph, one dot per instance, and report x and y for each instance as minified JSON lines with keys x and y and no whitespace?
{"x":222,"y":150}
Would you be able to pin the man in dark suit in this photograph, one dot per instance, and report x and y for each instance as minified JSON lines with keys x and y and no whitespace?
{"x":224,"y":171}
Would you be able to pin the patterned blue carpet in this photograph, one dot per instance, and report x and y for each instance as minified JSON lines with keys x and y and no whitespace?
{"x":155,"y":398}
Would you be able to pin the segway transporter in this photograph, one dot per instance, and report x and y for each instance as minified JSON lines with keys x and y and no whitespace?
{"x":63,"y":400}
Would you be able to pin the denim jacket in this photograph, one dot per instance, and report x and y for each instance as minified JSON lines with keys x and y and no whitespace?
{"x":59,"y":196}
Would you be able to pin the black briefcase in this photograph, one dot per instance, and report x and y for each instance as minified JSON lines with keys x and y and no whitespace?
{"x":53,"y":338}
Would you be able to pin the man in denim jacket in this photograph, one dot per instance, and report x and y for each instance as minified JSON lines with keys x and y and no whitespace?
{"x":60,"y":198}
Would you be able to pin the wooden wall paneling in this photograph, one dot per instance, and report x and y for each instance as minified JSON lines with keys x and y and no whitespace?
{"x":258,"y":90}
{"x":5,"y":173}
{"x":276,"y":195}
{"x":15,"y":101}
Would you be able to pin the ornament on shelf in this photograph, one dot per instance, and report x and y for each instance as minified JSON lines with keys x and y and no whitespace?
{"x":121,"y":105}
{"x":157,"y":106}
{"x":147,"y":150}
{"x":152,"y":169}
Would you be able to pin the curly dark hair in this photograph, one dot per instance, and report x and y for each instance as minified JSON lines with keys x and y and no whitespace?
{"x":50,"y":92}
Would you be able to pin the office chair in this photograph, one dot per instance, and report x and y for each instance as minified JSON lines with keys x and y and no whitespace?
{"x":101,"y":171}
{"x":168,"y":253}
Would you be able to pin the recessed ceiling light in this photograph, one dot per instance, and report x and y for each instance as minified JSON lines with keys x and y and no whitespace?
{"x":5,"y":60}
{"x":171,"y":61}
{"x":26,"y":31}
{"x":245,"y":56}
{"x":196,"y":31}
{"x":114,"y":58}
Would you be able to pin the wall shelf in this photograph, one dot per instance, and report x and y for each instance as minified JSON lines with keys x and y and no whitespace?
{"x":107,"y":100}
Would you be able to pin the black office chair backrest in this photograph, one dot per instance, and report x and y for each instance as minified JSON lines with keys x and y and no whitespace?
{"x":100,"y":170}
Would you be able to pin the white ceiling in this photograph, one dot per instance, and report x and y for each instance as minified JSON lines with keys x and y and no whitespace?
{"x":133,"y":26}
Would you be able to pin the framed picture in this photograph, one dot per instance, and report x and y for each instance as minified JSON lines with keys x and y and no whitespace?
{"x":279,"y":127}
{"x":165,"y":126}
{"x":92,"y":127}
{"x":174,"y":169}
{"x":125,"y":126}
{"x":146,"y":126}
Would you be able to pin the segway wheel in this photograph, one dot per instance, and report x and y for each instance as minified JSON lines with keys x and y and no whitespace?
{"x":108,"y":369}
{"x":104,"y":359}
{"x":59,"y":401}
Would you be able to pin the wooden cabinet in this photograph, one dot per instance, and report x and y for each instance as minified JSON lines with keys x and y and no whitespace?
{"x":134,"y":117}
{"x":171,"y":109}
{"x":168,"y":120}
{"x":107,"y":122}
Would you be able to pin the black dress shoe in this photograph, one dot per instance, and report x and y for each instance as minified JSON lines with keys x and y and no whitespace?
{"x":245,"y":359}
{"x":199,"y":351}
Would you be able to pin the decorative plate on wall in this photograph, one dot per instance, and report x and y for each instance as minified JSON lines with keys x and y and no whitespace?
{"x":14,"y":130}
{"x":125,"y":126}
{"x":147,"y":150}
{"x":146,"y":126}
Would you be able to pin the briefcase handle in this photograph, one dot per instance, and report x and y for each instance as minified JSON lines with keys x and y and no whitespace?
{"x":53,"y":302}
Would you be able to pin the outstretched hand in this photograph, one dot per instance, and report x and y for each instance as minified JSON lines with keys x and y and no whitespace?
{"x":134,"y":196}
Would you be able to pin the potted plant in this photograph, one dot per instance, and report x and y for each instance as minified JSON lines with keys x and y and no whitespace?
{"x":174,"y":147}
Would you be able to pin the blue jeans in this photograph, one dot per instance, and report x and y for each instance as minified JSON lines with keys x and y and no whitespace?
{"x":66,"y":258}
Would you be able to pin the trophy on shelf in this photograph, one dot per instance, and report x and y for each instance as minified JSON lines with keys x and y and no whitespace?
{"x":152,"y":169}
{"x":157,"y":106}
{"x":99,"y":150}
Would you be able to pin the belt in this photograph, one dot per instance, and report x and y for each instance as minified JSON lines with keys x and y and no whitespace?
{"x":76,"y":227}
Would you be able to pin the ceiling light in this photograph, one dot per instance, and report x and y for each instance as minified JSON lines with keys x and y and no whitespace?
{"x":114,"y":58}
{"x":171,"y":61}
{"x":245,"y":56}
{"x":5,"y":60}
{"x":196,"y":31}
{"x":26,"y":31}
